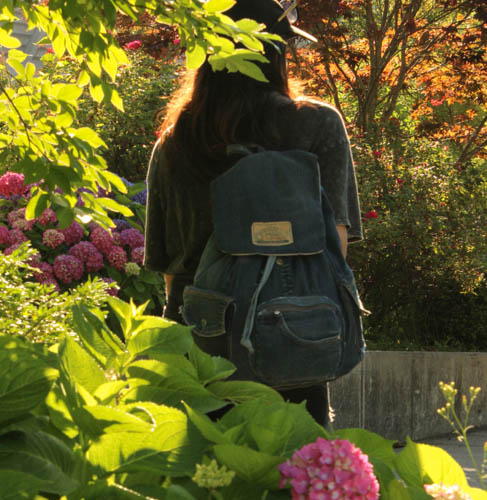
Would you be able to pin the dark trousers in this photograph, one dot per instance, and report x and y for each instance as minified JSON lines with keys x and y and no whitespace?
{"x":316,"y":398}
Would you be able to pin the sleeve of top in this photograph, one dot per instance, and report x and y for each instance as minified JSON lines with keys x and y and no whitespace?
{"x":338,"y":173}
{"x":155,"y":257}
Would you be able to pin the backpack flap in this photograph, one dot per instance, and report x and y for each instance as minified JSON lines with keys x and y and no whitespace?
{"x":269,"y":203}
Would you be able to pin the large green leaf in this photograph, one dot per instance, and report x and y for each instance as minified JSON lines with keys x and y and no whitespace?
{"x":240,"y":391}
{"x":250,"y":465}
{"x":15,"y":485}
{"x":165,"y":383}
{"x":210,"y":368}
{"x":164,"y":442}
{"x":41,"y":455}
{"x":25,"y":378}
{"x":420,"y":464}
{"x":96,"y":337}
{"x":372,"y":444}
{"x":156,"y":335}
{"x":79,"y":366}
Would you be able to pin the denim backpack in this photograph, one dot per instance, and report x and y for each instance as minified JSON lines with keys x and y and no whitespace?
{"x":273,"y":292}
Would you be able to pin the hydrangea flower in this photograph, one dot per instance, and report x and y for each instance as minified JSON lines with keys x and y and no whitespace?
{"x":132,"y":238}
{"x":15,"y":215}
{"x":11,"y":184}
{"x":137,"y":255}
{"x":73,"y":233}
{"x":4,"y":236}
{"x":442,"y":492}
{"x":102,"y":240}
{"x":11,"y":248}
{"x":52,"y":238}
{"x":45,"y":271}
{"x":121,"y":224}
{"x":113,"y":290}
{"x":117,"y":257}
{"x":132,"y":269}
{"x":17,"y":237}
{"x":140,"y":197}
{"x":87,"y":253}
{"x":47,"y":217}
{"x":67,"y":268}
{"x":329,"y":470}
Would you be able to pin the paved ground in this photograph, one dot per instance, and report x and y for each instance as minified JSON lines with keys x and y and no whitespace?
{"x":458,"y":451}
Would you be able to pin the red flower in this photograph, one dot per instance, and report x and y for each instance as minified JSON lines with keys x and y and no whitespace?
{"x":50,"y":50}
{"x":437,"y":102}
{"x":134,"y":45}
{"x":371,"y":215}
{"x":399,"y":181}
{"x":176,"y":41}
{"x":376,"y":154}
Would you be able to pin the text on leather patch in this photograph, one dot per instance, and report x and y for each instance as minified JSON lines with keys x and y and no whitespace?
{"x":272,"y":233}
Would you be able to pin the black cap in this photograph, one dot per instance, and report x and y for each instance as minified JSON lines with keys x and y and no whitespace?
{"x":270,"y":13}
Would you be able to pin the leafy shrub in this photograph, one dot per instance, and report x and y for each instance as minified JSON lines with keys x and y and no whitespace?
{"x":421,"y":268}
{"x":144,"y":86}
{"x":67,"y":257}
{"x":37,"y":311}
{"x":97,"y":417}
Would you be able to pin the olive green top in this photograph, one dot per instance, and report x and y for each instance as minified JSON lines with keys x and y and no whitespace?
{"x":178,"y":221}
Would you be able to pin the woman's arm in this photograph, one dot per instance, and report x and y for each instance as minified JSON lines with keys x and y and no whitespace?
{"x":343,"y":234}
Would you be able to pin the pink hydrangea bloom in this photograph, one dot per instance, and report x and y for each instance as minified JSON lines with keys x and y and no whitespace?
{"x":328,"y":470}
{"x":50,"y":280}
{"x":11,"y":183}
{"x":132,"y":237}
{"x":23,"y":224}
{"x":73,"y":233}
{"x":4,"y":236}
{"x":116,"y":238}
{"x":15,"y":215}
{"x":117,"y":257}
{"x":87,"y":252}
{"x":47,"y":217}
{"x":52,"y":238}
{"x":45,"y":271}
{"x":442,"y":492}
{"x":138,"y":255}
{"x":102,"y":240}
{"x":67,"y":268}
{"x":113,"y":290}
{"x":17,"y":237}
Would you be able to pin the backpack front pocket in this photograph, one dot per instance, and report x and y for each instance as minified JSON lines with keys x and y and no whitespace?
{"x":306,"y":328}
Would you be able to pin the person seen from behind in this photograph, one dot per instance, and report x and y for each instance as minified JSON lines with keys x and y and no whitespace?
{"x":215,"y":109}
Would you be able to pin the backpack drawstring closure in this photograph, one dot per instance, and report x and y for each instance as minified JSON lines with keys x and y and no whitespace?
{"x":250,"y":319}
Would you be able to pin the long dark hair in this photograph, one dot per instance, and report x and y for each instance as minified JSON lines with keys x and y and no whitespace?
{"x":215,"y":108}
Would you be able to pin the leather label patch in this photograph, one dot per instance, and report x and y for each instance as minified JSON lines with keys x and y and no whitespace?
{"x":272,"y":233}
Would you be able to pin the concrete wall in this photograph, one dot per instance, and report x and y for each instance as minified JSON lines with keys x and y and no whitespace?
{"x":396,"y":393}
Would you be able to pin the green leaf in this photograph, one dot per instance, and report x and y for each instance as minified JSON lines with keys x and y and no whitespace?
{"x":156,"y":335}
{"x":396,"y":491}
{"x":210,"y":368}
{"x":240,"y":391}
{"x":15,"y":485}
{"x":373,"y":445}
{"x":8,"y":41}
{"x":37,"y":204}
{"x":218,"y":5}
{"x":25,"y":379}
{"x":79,"y":366}
{"x":41,"y":455}
{"x":209,"y":429}
{"x":195,"y":57}
{"x":476,"y":493}
{"x":110,"y":204}
{"x":65,"y":216}
{"x":69,"y":93}
{"x":166,"y":384}
{"x":59,"y":414}
{"x":166,"y":445}
{"x":90,"y":136}
{"x":250,"y":465}
{"x":96,"y":337}
{"x":419,"y":464}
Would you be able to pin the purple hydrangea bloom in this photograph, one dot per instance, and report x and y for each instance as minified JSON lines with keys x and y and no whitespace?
{"x":4,"y":236}
{"x":67,"y":268}
{"x":121,"y":224}
{"x":140,"y":197}
{"x":137,"y":255}
{"x":117,"y":257}
{"x":52,"y":238}
{"x":102,"y":240}
{"x":73,"y":233}
{"x":131,"y":237}
{"x":87,"y":253}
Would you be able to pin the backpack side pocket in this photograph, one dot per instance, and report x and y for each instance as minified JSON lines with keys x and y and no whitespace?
{"x":308,"y":329}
